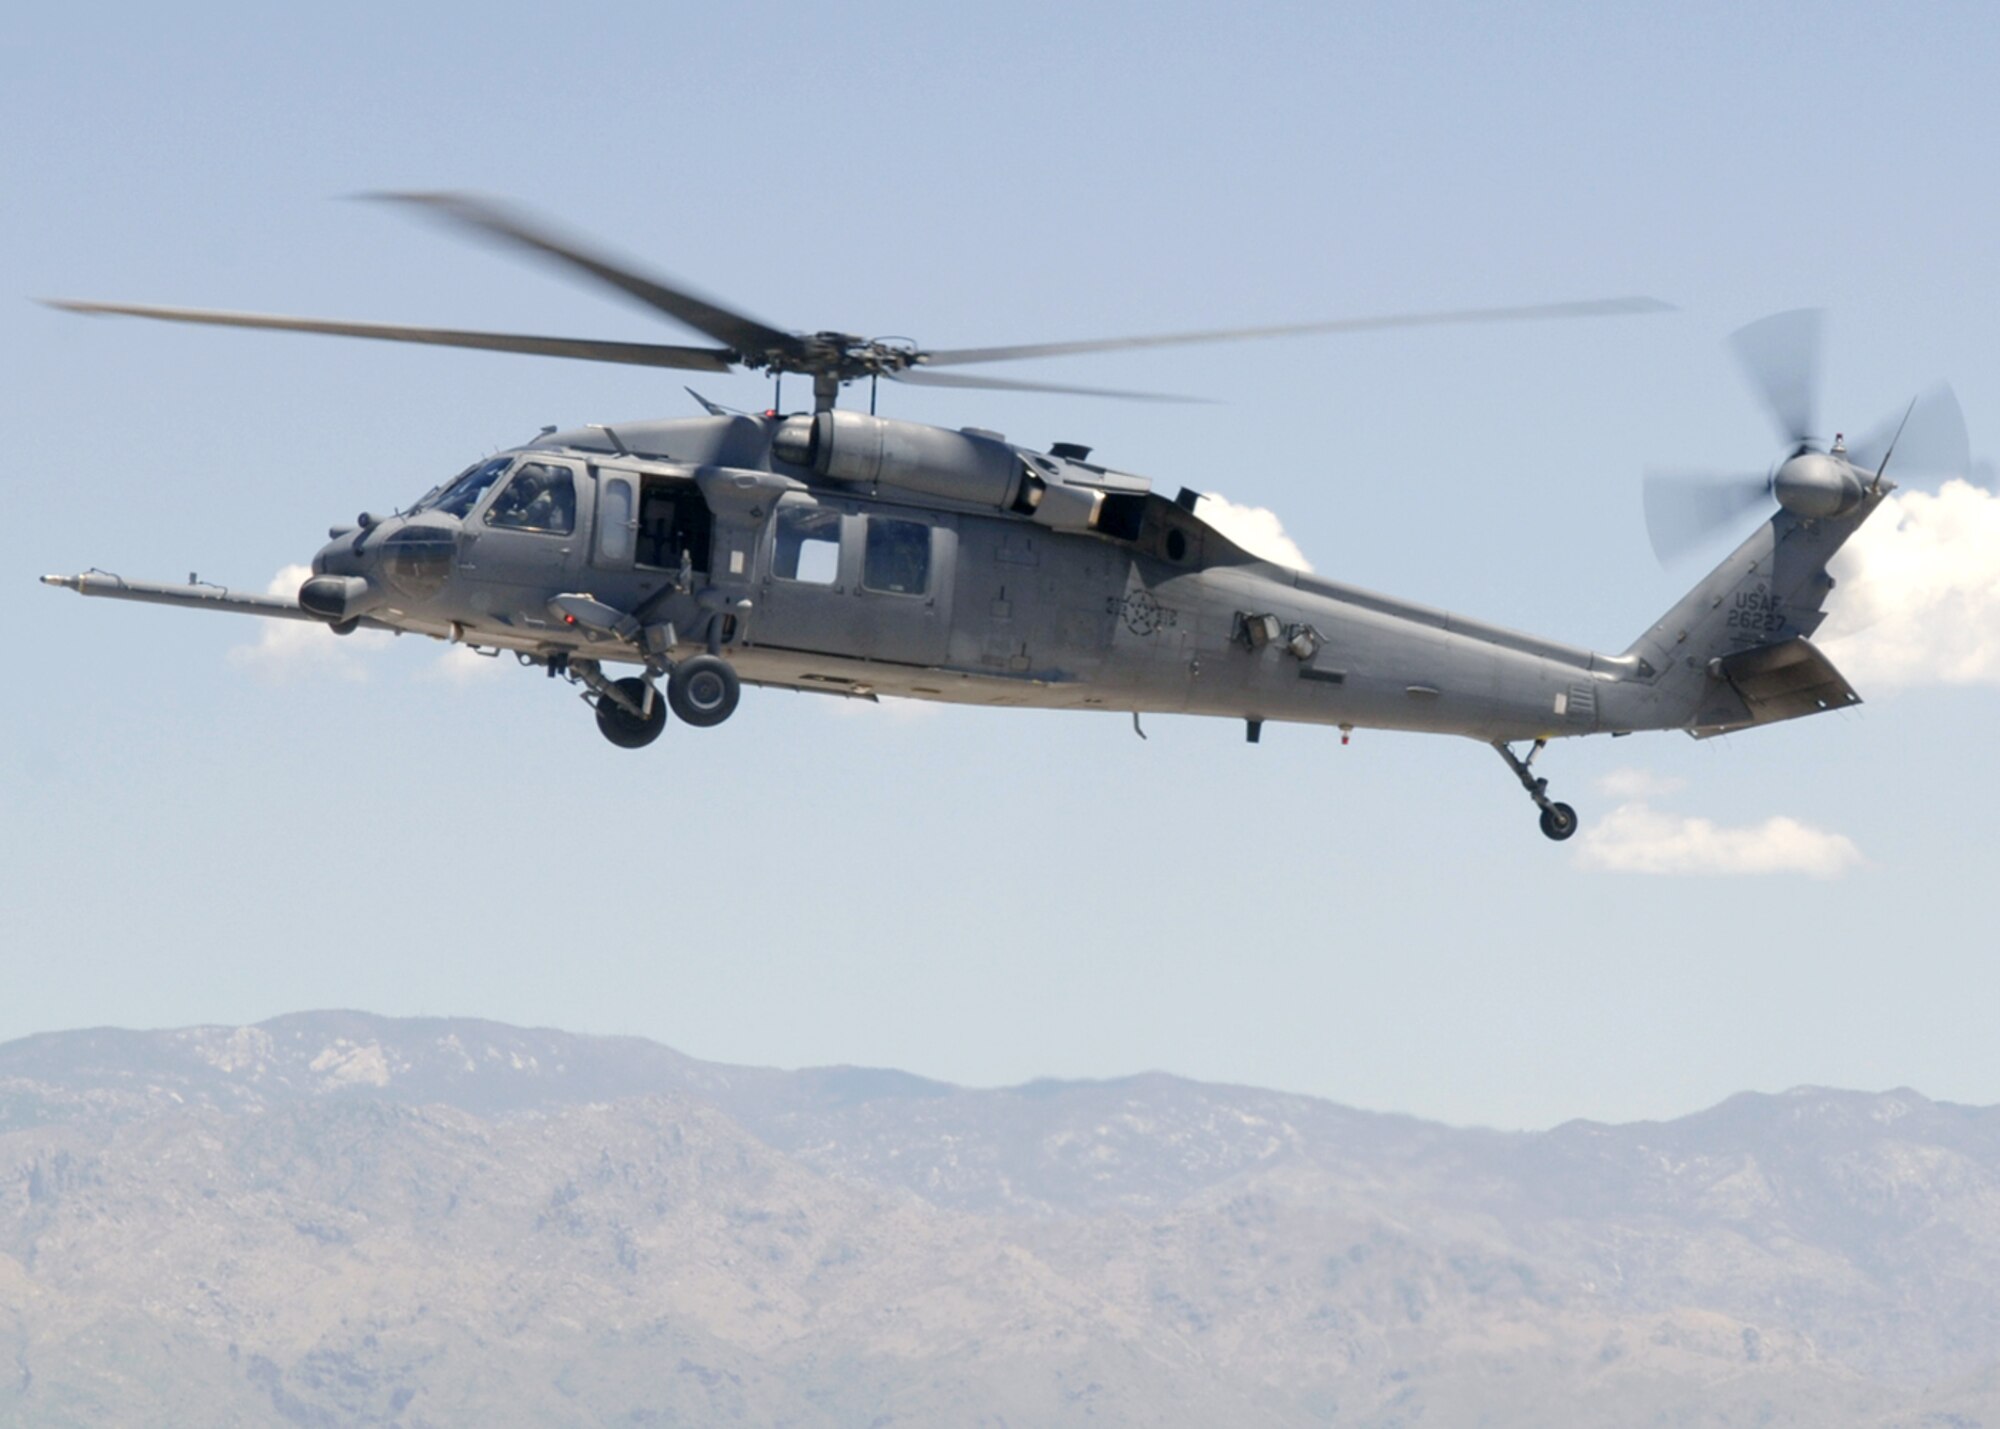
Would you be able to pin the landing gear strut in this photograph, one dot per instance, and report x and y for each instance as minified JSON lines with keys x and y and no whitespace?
{"x":616,"y":720}
{"x":630,"y":712}
{"x":1558,"y":820}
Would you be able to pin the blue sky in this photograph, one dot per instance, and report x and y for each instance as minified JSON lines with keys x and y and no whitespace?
{"x":200,"y":825}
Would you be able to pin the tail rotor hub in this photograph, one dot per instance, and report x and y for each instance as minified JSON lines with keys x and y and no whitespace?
{"x":1817,"y":484}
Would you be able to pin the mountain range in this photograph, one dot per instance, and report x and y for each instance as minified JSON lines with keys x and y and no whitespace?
{"x":334,"y":1218}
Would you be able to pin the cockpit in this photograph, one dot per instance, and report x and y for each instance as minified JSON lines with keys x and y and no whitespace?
{"x":458,"y":496}
{"x":414,"y":554}
{"x":540,"y":496}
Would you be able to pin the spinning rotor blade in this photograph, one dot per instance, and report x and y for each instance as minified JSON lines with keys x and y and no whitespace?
{"x":918,"y":377}
{"x":636,"y":354}
{"x":1929,"y":442}
{"x":1685,"y":508}
{"x":1780,"y":355}
{"x":832,"y":358}
{"x":1604,"y":307}
{"x":744,"y":334}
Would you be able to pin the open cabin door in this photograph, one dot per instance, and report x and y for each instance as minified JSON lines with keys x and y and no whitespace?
{"x":653,"y":521}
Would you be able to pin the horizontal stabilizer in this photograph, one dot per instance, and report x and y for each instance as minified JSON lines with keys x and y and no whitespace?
{"x":1768,"y":683}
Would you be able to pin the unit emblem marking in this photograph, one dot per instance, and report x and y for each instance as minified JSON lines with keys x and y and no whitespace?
{"x":1141,"y":613}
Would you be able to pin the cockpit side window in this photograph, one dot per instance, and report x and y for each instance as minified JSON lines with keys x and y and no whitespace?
{"x":462,"y":495}
{"x":541,"y":497}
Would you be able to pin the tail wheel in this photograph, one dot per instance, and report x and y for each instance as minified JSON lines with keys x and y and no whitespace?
{"x":1558,"y":821}
{"x":704,"y":690}
{"x":621,"y":726}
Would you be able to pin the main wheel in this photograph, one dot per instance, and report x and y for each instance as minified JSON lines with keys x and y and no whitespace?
{"x":704,"y":690}
{"x":625,"y":729}
{"x":1558,"y":821}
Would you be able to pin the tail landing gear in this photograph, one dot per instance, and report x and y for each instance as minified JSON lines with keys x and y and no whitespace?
{"x":1558,"y":820}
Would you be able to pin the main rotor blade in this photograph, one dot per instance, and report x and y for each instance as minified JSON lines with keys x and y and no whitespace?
{"x":1603,"y":307}
{"x":635,"y":354}
{"x":1685,"y":508}
{"x":919,"y":377}
{"x":1933,"y":445}
{"x":744,"y":334}
{"x":1781,"y":355}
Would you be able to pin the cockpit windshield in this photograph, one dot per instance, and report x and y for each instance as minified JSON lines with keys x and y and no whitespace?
{"x":458,"y":496}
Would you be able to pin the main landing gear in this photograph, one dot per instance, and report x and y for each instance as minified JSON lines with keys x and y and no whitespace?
{"x":703,"y":691}
{"x":1558,"y":820}
{"x":631,"y":712}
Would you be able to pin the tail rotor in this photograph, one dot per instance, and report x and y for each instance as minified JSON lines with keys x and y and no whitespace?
{"x":1781,"y":357}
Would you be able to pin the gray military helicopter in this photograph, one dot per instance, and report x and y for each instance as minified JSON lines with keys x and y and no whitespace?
{"x":858,"y":555}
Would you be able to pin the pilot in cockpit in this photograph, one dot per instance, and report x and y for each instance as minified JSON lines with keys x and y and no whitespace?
{"x":540,"y":498}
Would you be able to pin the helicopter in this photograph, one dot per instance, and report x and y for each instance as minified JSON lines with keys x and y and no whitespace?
{"x":859,"y":555}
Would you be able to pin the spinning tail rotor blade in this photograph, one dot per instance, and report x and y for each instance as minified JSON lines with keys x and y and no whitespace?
{"x":1780,"y":355}
{"x":1685,"y":508}
{"x":1932,"y":445}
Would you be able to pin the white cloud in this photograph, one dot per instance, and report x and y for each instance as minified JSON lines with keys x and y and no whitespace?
{"x":1635,"y":784}
{"x":1637,"y":838}
{"x":1918,"y":594}
{"x":287,"y":649}
{"x":1255,"y":529}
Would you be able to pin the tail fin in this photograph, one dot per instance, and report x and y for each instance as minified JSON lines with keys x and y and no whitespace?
{"x":1734,"y":652}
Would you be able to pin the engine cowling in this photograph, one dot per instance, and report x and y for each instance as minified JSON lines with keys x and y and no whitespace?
{"x":928,"y":461}
{"x":970,"y":466}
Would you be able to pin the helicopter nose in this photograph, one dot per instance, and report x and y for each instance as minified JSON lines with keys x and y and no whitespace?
{"x":338,"y":598}
{"x":338,"y":556}
{"x":339,"y":589}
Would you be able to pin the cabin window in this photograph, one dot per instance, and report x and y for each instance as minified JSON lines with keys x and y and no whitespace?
{"x":898,"y":557}
{"x":616,"y":523}
{"x":541,"y":497}
{"x":807,"y":547}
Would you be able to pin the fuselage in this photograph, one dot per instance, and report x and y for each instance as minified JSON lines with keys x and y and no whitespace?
{"x":701,"y":530}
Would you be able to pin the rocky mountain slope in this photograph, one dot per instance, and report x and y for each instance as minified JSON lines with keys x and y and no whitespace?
{"x":333,"y":1218}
